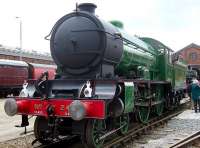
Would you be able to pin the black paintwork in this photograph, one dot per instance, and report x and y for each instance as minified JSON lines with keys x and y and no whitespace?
{"x":83,"y":45}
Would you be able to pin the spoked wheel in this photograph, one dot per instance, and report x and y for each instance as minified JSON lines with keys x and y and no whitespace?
{"x":41,"y":130}
{"x":94,"y":130}
{"x":143,"y":113}
{"x":159,"y":107}
{"x":124,"y":123}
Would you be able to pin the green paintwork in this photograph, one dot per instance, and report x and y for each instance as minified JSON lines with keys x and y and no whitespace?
{"x":159,"y":97}
{"x":143,"y":110}
{"x":155,"y":44}
{"x":170,"y":73}
{"x":117,"y":23}
{"x":162,"y":65}
{"x":144,"y":72}
{"x":96,"y":126}
{"x":144,"y":113}
{"x":148,"y":59}
{"x":124,"y":121}
{"x":136,"y":53}
{"x":179,"y":75}
{"x":129,"y":97}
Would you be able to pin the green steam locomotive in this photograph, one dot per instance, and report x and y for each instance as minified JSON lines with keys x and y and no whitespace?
{"x":105,"y":78}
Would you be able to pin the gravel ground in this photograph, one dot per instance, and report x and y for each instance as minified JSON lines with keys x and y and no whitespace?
{"x":176,"y":129}
{"x":7,"y":125}
{"x":8,"y":131}
{"x":22,"y":142}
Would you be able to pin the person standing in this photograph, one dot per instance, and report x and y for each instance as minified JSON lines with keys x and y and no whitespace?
{"x":189,"y":91}
{"x":195,"y":91}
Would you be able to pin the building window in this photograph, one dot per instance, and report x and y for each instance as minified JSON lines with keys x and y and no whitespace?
{"x":193,"y":56}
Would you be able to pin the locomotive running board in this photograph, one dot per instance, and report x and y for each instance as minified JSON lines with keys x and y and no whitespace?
{"x":110,"y":133}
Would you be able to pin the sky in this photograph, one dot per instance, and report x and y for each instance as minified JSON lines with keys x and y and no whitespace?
{"x":176,"y":23}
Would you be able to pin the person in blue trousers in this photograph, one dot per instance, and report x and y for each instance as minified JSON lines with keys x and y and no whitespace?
{"x":195,"y":91}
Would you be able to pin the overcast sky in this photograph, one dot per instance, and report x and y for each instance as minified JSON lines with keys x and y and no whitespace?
{"x":176,"y":23}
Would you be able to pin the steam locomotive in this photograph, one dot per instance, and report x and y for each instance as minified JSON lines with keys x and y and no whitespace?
{"x":104,"y":78}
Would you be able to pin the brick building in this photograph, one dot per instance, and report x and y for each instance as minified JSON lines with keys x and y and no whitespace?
{"x":25,"y":55}
{"x":190,"y":54}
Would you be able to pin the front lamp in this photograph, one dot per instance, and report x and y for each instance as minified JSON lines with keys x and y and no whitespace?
{"x":77,"y":110}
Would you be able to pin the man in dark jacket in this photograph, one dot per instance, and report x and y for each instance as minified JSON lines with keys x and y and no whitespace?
{"x":195,"y":90}
{"x":189,"y":91}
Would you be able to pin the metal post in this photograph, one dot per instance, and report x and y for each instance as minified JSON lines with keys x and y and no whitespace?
{"x":20,"y":36}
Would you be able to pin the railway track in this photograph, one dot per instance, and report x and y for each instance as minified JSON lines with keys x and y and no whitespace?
{"x":188,"y":141}
{"x":140,"y":129}
{"x":135,"y":130}
{"x":73,"y":141}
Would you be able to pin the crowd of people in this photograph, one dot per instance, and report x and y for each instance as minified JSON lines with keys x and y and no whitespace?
{"x":194,"y":93}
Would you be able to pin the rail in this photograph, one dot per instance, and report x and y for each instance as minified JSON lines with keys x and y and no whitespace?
{"x":141,"y":128}
{"x":188,"y":141}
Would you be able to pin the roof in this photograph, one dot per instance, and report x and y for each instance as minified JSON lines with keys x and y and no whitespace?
{"x":43,"y":65}
{"x":5,"y":50}
{"x":192,"y":45}
{"x":13,"y":63}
